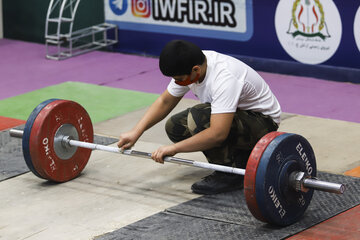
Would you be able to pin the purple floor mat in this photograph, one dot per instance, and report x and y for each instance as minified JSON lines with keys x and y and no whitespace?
{"x":23,"y":68}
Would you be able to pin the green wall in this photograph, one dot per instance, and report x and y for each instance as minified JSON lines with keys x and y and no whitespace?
{"x":25,"y":19}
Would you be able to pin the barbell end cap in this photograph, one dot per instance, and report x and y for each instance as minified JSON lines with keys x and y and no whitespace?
{"x":342,"y":189}
{"x":16,"y":133}
{"x":330,"y":187}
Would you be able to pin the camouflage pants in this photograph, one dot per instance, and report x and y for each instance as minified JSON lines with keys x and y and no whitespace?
{"x":246,"y":129}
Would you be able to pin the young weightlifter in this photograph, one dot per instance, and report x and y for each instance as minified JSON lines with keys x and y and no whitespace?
{"x":237,"y":108}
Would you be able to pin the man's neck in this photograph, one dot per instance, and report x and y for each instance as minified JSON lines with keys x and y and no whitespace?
{"x":203,"y":72}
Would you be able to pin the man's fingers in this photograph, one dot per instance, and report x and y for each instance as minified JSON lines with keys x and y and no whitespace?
{"x":120,"y":143}
{"x":156,"y":156}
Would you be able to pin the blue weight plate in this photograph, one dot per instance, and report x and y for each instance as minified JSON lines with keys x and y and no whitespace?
{"x":278,"y":202}
{"x":26,"y":135}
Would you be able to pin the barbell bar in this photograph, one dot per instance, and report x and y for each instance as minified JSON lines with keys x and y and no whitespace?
{"x":279,"y":179}
{"x":67,"y":142}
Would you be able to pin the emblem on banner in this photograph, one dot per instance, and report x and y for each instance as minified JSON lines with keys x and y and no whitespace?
{"x":308,"y":19}
{"x":308,"y":30}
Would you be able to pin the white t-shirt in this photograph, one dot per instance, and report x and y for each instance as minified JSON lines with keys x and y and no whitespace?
{"x":230,"y":84}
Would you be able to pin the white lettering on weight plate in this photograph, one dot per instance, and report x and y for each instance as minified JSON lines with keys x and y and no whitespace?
{"x":276,"y":201}
{"x":47,"y":150}
{"x":303,"y":156}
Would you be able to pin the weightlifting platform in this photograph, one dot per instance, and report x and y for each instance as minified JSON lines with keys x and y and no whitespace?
{"x":225,"y":216}
{"x":119,"y":197}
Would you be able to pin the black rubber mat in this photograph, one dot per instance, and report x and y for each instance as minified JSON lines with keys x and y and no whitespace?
{"x":226,"y":216}
{"x":12,"y":161}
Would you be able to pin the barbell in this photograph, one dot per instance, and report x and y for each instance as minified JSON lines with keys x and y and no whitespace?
{"x":279,"y":179}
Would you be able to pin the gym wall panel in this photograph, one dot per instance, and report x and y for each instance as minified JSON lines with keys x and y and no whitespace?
{"x":1,"y":20}
{"x":25,"y":20}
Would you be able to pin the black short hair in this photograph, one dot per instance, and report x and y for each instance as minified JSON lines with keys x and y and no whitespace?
{"x":178,"y":57}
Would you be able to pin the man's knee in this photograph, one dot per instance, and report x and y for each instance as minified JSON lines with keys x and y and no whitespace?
{"x":198,"y":118}
{"x":176,"y":128}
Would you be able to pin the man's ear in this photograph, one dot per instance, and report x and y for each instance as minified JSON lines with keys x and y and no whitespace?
{"x":196,"y":68}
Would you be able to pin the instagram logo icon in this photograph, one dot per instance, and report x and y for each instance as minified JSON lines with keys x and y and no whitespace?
{"x":140,"y":8}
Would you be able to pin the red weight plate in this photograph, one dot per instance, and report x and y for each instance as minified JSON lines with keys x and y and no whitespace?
{"x":42,"y":152}
{"x":250,"y":173}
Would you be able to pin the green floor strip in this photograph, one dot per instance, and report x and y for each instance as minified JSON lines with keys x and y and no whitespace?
{"x":102,"y":103}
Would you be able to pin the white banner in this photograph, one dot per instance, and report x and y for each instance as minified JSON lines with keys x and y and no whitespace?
{"x":357,"y":28}
{"x":310,"y":31}
{"x":223,"y":19}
